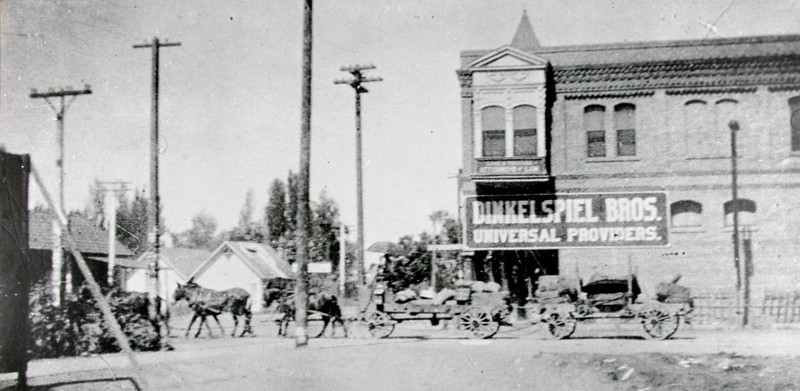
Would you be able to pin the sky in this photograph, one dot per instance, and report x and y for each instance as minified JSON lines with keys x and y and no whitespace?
{"x":229,"y":114}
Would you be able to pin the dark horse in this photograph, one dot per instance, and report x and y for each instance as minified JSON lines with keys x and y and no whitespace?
{"x":139,"y":303}
{"x":207,"y":302}
{"x":324,"y":304}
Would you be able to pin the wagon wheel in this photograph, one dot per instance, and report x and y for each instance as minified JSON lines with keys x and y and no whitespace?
{"x":560,"y":326}
{"x":659,"y":324}
{"x":479,"y":322}
{"x":379,"y":324}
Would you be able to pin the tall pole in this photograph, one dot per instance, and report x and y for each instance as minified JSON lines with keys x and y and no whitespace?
{"x":153,"y":207}
{"x":112,"y":192}
{"x":356,"y":82}
{"x":734,"y":127}
{"x":303,"y":223}
{"x":58,"y":235}
{"x":342,"y":260}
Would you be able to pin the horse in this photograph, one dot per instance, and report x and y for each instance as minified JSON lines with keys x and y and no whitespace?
{"x":326,"y":305}
{"x":207,"y":302}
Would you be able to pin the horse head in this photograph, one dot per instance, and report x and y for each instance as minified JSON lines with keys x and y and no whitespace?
{"x":180,"y":293}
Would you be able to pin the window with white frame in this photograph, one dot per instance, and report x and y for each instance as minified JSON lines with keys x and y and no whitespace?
{"x":625,"y":125}
{"x":493,"y":127}
{"x":594,"y":124}
{"x":524,"y":130}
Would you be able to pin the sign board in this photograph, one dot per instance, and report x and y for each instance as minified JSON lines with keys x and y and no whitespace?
{"x":568,"y":220}
{"x":315,"y":267}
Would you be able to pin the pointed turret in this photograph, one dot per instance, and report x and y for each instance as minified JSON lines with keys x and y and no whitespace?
{"x":525,"y":39}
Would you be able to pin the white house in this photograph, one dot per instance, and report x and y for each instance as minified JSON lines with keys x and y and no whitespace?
{"x":243,"y":265}
{"x":175,"y":266}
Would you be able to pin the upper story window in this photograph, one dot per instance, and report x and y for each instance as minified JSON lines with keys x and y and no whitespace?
{"x":794,"y":106}
{"x":524,"y":130}
{"x":698,"y":124}
{"x":686,"y":213}
{"x":625,"y":125}
{"x":594,"y":123}
{"x":745,"y":209}
{"x":493,"y":125}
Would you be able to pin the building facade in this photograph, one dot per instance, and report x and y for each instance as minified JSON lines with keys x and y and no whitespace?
{"x":639,"y":118}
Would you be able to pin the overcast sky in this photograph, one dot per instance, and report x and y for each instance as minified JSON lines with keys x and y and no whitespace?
{"x":230,"y":95}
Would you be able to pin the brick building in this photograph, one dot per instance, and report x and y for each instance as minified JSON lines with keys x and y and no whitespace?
{"x":640,"y":117}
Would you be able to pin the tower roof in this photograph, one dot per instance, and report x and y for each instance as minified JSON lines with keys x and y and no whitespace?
{"x":525,"y":39}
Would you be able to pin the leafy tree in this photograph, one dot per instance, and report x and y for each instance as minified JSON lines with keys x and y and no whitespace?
{"x":451,"y":230}
{"x":325,"y":227}
{"x":293,"y":183}
{"x":201,"y":235}
{"x":275,"y":213}
{"x":132,"y":222}
{"x":248,"y":230}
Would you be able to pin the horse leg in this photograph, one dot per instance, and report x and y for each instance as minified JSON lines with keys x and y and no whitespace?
{"x":208,"y":326}
{"x":235,"y":324}
{"x":221,"y":330}
{"x":325,"y":321}
{"x":191,"y":322}
{"x":339,"y":318}
{"x":200,"y":327}
{"x":247,"y":328}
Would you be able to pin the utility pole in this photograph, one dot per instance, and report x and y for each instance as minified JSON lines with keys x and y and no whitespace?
{"x":111,"y":192}
{"x":355,"y":82}
{"x":303,"y":212}
{"x":342,"y":260}
{"x":734,"y":127}
{"x":153,"y":206}
{"x":58,"y":235}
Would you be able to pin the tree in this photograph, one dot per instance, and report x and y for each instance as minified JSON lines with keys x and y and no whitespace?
{"x":325,"y":225}
{"x":248,"y":230}
{"x":275,"y":212}
{"x":201,"y":235}
{"x":291,"y":207}
{"x":132,"y":222}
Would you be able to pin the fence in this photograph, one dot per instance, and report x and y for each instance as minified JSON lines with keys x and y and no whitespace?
{"x":720,"y":307}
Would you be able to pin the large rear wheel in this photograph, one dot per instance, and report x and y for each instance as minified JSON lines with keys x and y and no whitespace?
{"x":478,"y":322}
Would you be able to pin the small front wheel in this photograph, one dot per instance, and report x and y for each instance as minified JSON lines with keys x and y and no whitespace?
{"x":659,"y":324}
{"x":560,"y":326}
{"x":479,"y":322}
{"x":379,"y":324}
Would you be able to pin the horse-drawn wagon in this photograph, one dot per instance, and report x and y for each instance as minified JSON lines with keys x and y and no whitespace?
{"x":473,"y":310}
{"x":562,"y":302}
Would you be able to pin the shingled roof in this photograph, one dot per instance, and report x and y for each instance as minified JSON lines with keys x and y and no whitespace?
{"x":184,"y":261}
{"x":89,"y":238}
{"x":682,"y":65}
{"x":262,"y":259}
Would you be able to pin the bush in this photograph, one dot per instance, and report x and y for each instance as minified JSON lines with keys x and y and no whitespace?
{"x":78,"y":327}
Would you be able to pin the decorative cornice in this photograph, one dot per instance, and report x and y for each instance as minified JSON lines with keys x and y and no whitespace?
{"x":785,"y":87}
{"x":700,"y":91}
{"x":671,"y":174}
{"x":608,"y":95}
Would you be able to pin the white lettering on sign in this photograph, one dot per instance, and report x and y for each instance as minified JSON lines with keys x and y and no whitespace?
{"x":574,"y":210}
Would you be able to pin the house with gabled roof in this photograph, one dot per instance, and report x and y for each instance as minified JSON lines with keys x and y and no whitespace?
{"x":245,"y":265}
{"x":176,"y":265}
{"x":90,"y":239}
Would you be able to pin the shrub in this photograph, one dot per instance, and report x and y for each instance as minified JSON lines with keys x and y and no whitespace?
{"x":77,"y":326}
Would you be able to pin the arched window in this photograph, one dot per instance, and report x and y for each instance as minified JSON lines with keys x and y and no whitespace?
{"x":699,"y":125}
{"x":524,"y":131}
{"x":725,"y":110}
{"x":594,"y":123}
{"x":794,"y":107}
{"x":625,"y":125}
{"x":746,"y":209}
{"x":493,"y":124}
{"x":686,"y":213}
